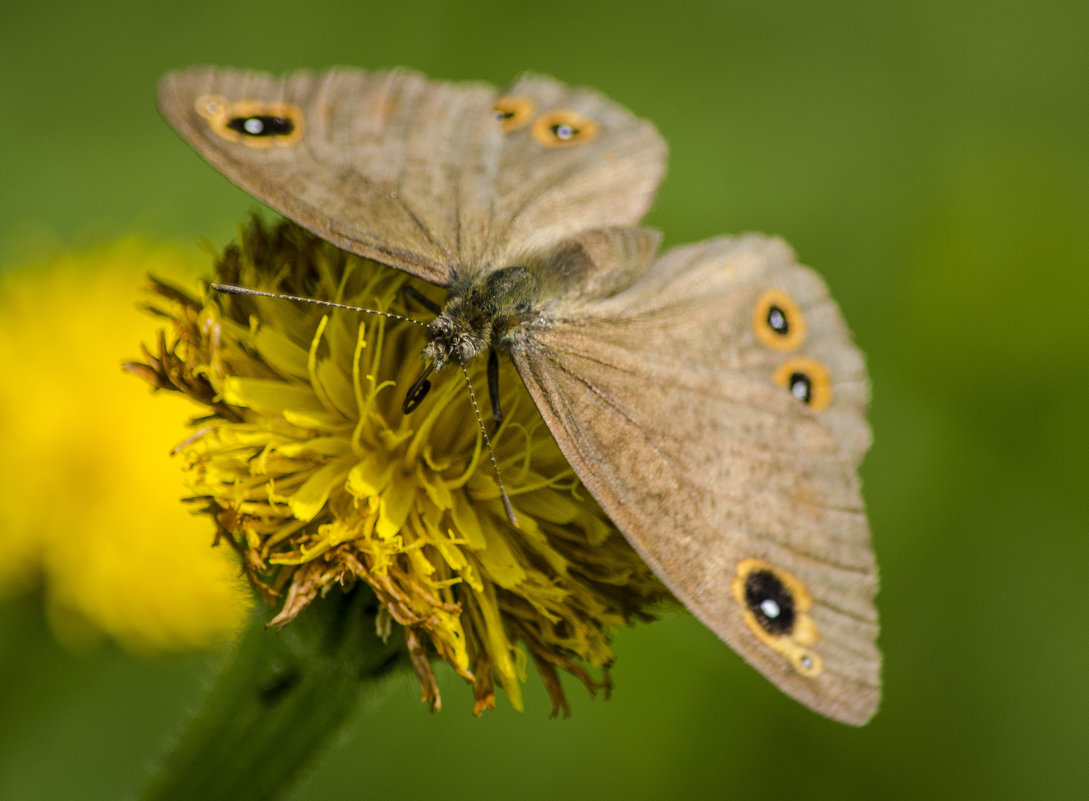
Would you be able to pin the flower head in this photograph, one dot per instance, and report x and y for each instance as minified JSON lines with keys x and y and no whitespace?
{"x":317,"y":477}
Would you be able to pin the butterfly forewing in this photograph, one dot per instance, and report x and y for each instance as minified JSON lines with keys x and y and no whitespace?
{"x":426,"y":176}
{"x":548,"y":192}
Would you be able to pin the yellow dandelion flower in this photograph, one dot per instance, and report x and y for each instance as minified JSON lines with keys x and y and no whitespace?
{"x":88,"y":503}
{"x":315,"y":475}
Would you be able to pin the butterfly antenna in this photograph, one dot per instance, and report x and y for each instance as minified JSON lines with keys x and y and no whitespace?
{"x":419,"y":388}
{"x":231,"y":289}
{"x":491,"y":453}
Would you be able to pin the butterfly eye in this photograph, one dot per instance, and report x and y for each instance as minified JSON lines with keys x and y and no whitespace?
{"x":466,"y":350}
{"x":252,"y":122}
{"x":777,"y":611}
{"x":807,"y":380}
{"x":512,"y":113}
{"x":562,"y":128}
{"x":777,"y":321}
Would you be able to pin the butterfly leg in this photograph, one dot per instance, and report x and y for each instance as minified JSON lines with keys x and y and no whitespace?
{"x":420,"y":298}
{"x":418,"y":391}
{"x":493,"y":386}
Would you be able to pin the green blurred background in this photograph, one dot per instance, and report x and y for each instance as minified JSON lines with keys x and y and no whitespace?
{"x":931,"y":159}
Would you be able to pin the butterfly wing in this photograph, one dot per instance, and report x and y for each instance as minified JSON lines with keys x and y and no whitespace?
{"x":433,"y":178}
{"x":715,"y":408}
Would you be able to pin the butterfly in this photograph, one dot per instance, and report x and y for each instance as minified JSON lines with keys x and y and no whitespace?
{"x":709,"y":397}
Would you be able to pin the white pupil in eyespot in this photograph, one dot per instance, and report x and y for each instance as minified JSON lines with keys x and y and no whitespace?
{"x":807,"y":662}
{"x":799,"y":390}
{"x":776,"y":319}
{"x":769,"y":608}
{"x":253,"y":126}
{"x":564,"y":131}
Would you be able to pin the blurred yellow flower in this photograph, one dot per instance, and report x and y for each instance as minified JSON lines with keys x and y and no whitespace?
{"x":89,"y":511}
{"x":317,"y":477}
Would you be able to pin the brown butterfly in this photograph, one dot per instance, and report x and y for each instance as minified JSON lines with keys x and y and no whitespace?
{"x":710,"y":398}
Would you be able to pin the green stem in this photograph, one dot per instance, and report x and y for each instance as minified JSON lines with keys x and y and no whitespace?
{"x":279,"y":700}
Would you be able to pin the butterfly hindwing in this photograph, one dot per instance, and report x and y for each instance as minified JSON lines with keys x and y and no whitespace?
{"x":737,"y":488}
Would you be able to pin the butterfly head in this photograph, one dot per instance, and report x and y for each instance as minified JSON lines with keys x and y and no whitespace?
{"x":481,"y":313}
{"x":452,"y":337}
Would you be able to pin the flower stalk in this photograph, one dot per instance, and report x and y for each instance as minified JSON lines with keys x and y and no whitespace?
{"x":278,"y":701}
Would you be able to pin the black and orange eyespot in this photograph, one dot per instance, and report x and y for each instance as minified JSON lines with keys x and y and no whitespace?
{"x":774,"y":597}
{"x":777,"y":321}
{"x":776,"y":609}
{"x":252,"y":122}
{"x":513,"y":113}
{"x":562,"y":128}
{"x":807,"y":380}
